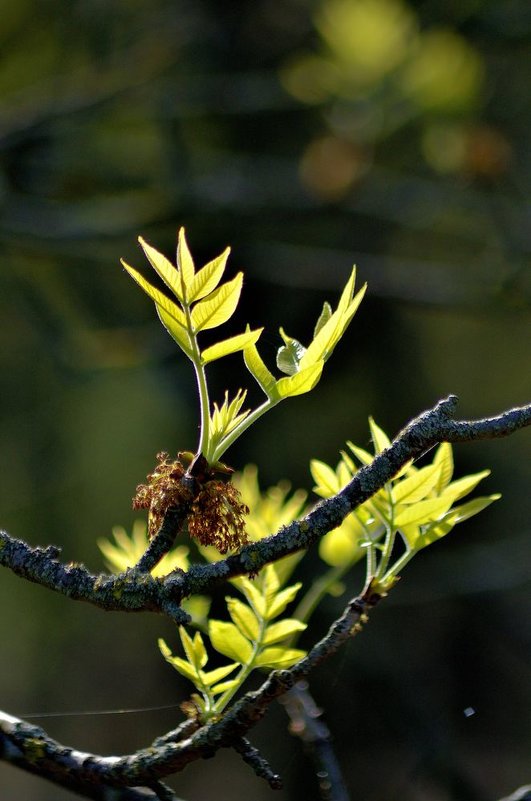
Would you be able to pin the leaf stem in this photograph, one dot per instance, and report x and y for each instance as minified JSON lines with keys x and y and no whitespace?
{"x":228,"y":440}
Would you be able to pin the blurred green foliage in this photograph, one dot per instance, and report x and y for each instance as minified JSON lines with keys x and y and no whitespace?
{"x":308,"y":135}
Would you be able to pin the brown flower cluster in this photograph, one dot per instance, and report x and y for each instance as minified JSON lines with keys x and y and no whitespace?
{"x":163,"y":490}
{"x":216,"y":516}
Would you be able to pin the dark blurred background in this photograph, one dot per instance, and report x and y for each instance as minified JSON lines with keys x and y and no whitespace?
{"x":308,"y":136}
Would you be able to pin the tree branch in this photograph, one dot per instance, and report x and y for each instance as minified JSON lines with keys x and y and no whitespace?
{"x":137,"y":591}
{"x":31,"y":748}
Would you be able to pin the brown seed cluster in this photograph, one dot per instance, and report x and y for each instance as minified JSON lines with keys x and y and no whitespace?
{"x":216,"y":516}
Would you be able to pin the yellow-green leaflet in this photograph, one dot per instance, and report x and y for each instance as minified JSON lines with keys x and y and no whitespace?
{"x":208,"y":277}
{"x":231,"y":345}
{"x":164,"y":268}
{"x":219,"y":306}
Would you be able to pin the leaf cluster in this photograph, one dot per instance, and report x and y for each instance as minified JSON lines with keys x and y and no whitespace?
{"x":200,"y":302}
{"x":253,"y":639}
{"x":418,"y":504}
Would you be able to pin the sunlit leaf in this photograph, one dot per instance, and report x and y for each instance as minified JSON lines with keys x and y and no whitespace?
{"x":207,"y":278}
{"x":444,"y":458}
{"x":195,"y":651}
{"x":362,"y":455}
{"x":164,"y":269}
{"x":339,"y":547}
{"x":423,"y":511}
{"x":185,"y":262}
{"x":244,"y":618}
{"x":281,"y":601}
{"x":331,"y":332}
{"x":418,"y":486}
{"x":455,"y":516}
{"x":218,"y":307}
{"x":289,"y":354}
{"x":231,"y":345}
{"x":325,"y":478}
{"x":411,"y":534}
{"x":277,"y":632}
{"x":461,"y":487}
{"x":324,"y":317}
{"x":159,"y":297}
{"x":224,"y":686}
{"x":252,"y":594}
{"x":211,"y":677}
{"x":227,"y":640}
{"x":259,"y":371}
{"x":303,"y":381}
{"x":181,"y":665}
{"x":379,"y":437}
{"x":175,"y":330}
{"x":279,"y":657}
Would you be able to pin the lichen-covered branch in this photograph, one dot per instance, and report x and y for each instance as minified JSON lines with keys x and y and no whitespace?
{"x":29,"y":747}
{"x":136,"y":590}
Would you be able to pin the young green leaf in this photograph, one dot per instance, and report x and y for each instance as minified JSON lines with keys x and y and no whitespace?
{"x":175,"y":330}
{"x":278,"y":657}
{"x":219,"y":306}
{"x":444,"y":458}
{"x":185,"y":263}
{"x":252,"y":594}
{"x":259,"y":371}
{"x":277,"y":632}
{"x":454,"y":516}
{"x":323,"y":344}
{"x":417,"y":486}
{"x":303,"y":381}
{"x":207,"y":278}
{"x":212,"y":677}
{"x":281,"y":600}
{"x":324,"y":317}
{"x":461,"y":487}
{"x":181,"y":665}
{"x":423,"y":511}
{"x":224,"y":686}
{"x":164,"y":269}
{"x":230,"y":642}
{"x":244,"y":618}
{"x":325,"y":478}
{"x":289,"y":354}
{"x":379,"y":438}
{"x":339,"y":547}
{"x":159,"y":297}
{"x":231,"y":345}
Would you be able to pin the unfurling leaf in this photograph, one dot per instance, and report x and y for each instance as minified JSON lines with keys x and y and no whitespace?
{"x":289,"y":355}
{"x":324,"y":317}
